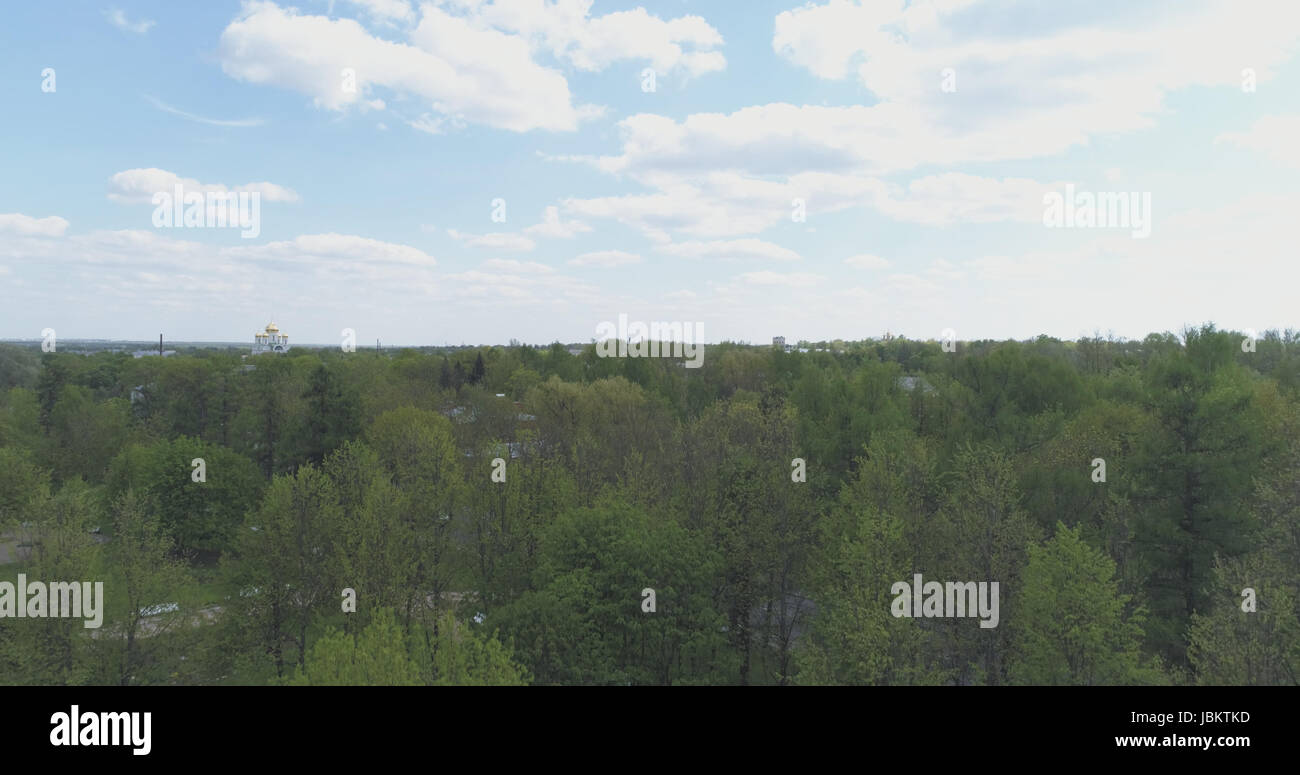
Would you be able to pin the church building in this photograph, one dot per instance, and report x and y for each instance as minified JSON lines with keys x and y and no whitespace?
{"x":270,"y":341}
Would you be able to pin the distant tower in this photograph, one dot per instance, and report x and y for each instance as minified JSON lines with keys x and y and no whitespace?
{"x":270,"y":341}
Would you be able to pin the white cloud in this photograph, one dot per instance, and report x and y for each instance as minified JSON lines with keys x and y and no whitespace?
{"x":351,"y":247}
{"x":431,"y":125}
{"x":495,"y":240}
{"x":519,"y":283}
{"x":742,"y":249}
{"x":1273,"y":136}
{"x":960,"y":198}
{"x":606,"y":258}
{"x":723,"y":204}
{"x":866,"y":261}
{"x":686,"y":210}
{"x":241,"y":122}
{"x":460,"y":69}
{"x":715,"y":175}
{"x":305,"y":260}
{"x":388,"y":11}
{"x":1040,"y":88}
{"x":138,"y":186}
{"x":791,"y":279}
{"x":567,"y":30}
{"x":516,"y":267}
{"x":1042,"y":84}
{"x":27,"y":226}
{"x":135,"y":267}
{"x":118,"y":19}
{"x":1201,"y":265}
{"x":552,"y":226}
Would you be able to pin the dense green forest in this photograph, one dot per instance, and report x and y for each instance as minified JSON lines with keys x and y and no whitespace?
{"x":373,"y":472}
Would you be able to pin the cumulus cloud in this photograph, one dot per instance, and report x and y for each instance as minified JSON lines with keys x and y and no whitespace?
{"x":721,"y":204}
{"x":517,"y":267}
{"x":741,"y":249}
{"x":27,"y":226}
{"x":430,"y":125}
{"x":468,"y":61}
{"x":727,"y":185}
{"x":1038,"y":89}
{"x":118,"y":19}
{"x":791,"y":279}
{"x":303,"y":256}
{"x":1046,"y":82}
{"x":389,"y":11}
{"x":719,"y":176}
{"x":519,"y":283}
{"x":554,"y":227}
{"x":605,"y":258}
{"x":133,"y":284}
{"x":960,"y":198}
{"x":459,"y":68}
{"x":341,"y":249}
{"x":495,"y":240}
{"x":568,"y":31}
{"x":138,"y":186}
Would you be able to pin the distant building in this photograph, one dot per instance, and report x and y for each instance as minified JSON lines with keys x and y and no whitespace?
{"x":270,"y":341}
{"x":778,"y":341}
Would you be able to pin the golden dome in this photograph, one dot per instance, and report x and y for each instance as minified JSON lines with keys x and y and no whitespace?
{"x":271,"y":328}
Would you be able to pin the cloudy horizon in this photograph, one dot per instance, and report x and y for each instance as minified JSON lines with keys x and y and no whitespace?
{"x":475,"y":171}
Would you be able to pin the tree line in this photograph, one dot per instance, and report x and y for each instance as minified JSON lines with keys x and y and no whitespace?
{"x":326,"y":471}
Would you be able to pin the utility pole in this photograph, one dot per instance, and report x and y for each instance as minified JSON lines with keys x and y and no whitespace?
{"x":159,"y":345}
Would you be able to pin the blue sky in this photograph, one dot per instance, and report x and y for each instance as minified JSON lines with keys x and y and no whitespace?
{"x":923,"y":191}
